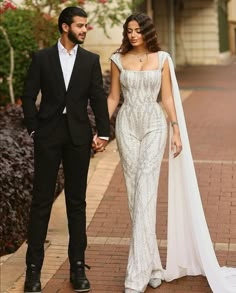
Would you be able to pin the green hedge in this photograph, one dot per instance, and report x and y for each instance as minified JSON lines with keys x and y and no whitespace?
{"x":23,"y":36}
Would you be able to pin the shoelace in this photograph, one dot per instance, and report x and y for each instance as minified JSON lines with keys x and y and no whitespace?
{"x":84,"y":266}
{"x":87,"y":266}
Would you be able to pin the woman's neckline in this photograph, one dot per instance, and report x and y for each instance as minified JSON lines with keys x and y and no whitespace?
{"x":146,"y":70}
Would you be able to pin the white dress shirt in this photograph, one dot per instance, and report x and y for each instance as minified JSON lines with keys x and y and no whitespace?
{"x":67,"y":60}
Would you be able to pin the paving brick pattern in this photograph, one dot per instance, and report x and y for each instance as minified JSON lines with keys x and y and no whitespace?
{"x":211,"y":122}
{"x":210,"y":116}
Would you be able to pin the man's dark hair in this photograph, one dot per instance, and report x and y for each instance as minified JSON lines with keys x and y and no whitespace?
{"x":67,"y":15}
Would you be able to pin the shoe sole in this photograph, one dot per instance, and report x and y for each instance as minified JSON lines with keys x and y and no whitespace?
{"x":79,"y":290}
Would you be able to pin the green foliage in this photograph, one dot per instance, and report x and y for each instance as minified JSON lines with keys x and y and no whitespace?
{"x":24,"y":38}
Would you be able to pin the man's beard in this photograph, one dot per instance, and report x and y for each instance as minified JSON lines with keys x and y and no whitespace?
{"x":72,"y":37}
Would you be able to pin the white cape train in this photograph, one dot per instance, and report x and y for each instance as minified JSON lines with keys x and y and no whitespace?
{"x":190,"y":250}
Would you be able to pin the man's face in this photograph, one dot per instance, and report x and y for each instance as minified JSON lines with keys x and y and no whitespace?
{"x":77,"y":30}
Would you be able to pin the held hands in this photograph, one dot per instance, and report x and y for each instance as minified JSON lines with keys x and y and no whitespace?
{"x":99,"y":145}
{"x":176,"y":144}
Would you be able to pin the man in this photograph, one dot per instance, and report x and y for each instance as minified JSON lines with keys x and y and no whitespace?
{"x":67,"y":76}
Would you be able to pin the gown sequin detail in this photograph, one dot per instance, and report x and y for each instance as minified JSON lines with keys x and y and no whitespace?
{"x":141,"y":132}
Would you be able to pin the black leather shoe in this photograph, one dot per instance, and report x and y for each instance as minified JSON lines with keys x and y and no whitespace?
{"x":78,"y":277}
{"x":32,"y":280}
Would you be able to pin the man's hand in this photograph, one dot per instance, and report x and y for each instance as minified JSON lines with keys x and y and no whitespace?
{"x":99,"y":145}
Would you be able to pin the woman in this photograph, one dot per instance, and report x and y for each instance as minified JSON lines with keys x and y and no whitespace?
{"x":140,"y":70}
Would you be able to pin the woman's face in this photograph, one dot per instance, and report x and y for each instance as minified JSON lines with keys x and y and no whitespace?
{"x":134,"y":34}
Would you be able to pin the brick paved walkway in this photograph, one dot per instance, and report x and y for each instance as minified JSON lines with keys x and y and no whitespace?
{"x":211,"y":122}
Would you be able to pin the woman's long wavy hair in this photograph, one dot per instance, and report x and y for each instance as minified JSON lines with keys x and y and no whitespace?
{"x":148,"y":32}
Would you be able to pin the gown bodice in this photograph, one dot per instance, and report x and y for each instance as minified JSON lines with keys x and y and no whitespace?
{"x":138,"y":87}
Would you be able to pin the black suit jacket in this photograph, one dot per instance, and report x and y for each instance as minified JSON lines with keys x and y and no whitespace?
{"x":86,"y":83}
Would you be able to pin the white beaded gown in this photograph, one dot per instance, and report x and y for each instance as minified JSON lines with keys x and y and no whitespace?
{"x":141,"y":132}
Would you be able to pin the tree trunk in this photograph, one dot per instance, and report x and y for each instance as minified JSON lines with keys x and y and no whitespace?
{"x":10,"y":77}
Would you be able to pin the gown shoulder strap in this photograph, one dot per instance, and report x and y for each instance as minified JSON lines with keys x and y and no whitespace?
{"x":116,"y":59}
{"x":162,"y":55}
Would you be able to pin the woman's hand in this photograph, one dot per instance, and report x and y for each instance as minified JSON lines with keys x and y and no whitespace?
{"x":99,"y":145}
{"x":176,"y":144}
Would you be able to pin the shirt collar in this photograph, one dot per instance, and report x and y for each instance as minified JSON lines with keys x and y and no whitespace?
{"x":63,"y":50}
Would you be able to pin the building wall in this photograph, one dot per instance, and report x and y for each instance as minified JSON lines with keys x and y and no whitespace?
{"x":196,"y":30}
{"x":160,"y":17}
{"x":232,"y":25}
{"x":96,"y":41}
{"x":232,"y":37}
{"x":232,"y":10}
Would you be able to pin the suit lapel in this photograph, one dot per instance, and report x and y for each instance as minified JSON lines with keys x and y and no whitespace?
{"x":56,"y":67}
